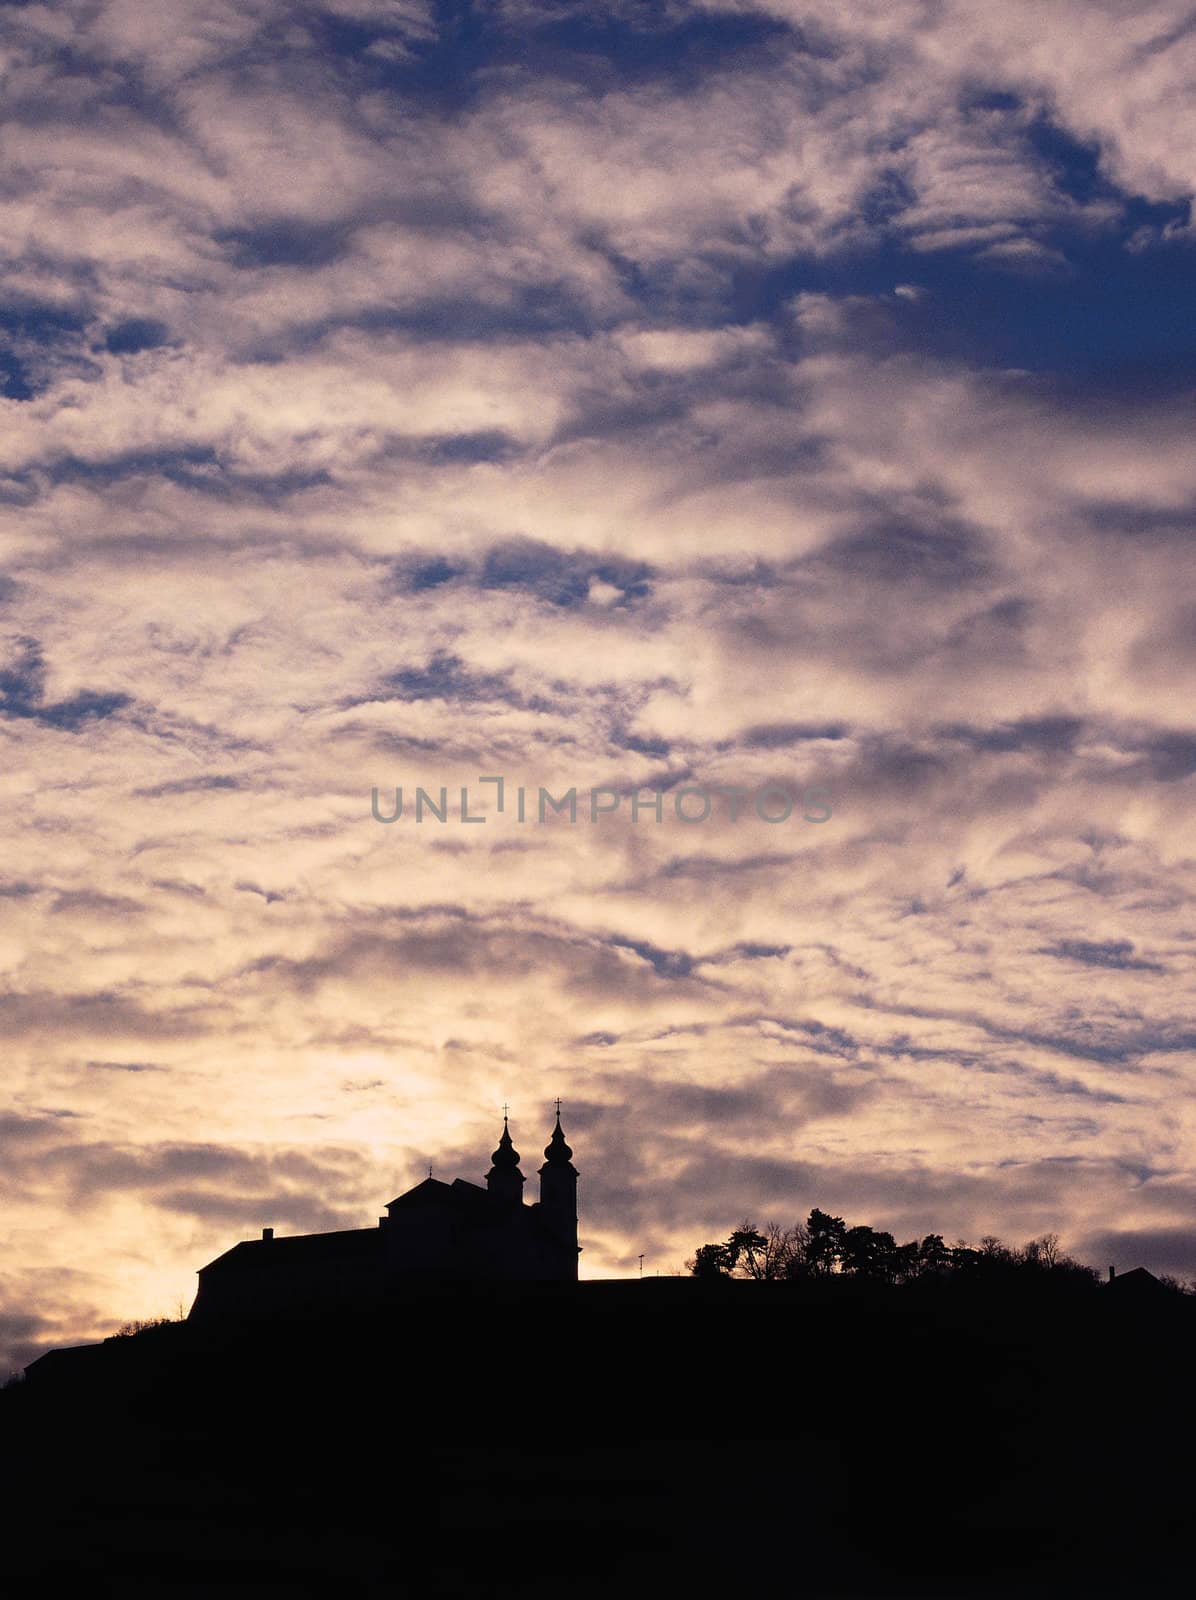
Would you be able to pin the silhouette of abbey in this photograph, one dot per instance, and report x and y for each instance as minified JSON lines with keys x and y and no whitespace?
{"x":995,"y":1424}
{"x":436,"y":1233}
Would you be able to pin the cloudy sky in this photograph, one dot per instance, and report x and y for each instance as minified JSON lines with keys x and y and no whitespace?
{"x":599,"y":395}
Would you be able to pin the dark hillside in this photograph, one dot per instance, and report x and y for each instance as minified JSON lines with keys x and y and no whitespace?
{"x":631,"y":1437}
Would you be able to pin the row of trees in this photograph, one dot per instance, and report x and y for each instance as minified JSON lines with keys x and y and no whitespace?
{"x":823,"y":1245}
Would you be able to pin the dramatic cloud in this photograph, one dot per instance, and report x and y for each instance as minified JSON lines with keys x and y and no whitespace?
{"x":765,"y":404}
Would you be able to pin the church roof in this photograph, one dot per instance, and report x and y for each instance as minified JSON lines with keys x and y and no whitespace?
{"x":432,"y":1192}
{"x":301,"y":1247}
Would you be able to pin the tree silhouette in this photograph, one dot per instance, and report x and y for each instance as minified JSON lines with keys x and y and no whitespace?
{"x":746,"y":1246}
{"x":824,"y":1245}
{"x":933,"y":1255}
{"x":749,"y":1253}
{"x":868,"y":1254}
{"x":1042,"y":1252}
{"x":711,"y":1261}
{"x":782,"y":1247}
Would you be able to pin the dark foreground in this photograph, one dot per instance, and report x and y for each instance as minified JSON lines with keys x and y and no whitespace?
{"x":626,"y":1439}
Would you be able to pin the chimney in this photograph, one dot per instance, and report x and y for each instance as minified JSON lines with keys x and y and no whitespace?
{"x":1112,"y":1273}
{"x":267,"y":1233}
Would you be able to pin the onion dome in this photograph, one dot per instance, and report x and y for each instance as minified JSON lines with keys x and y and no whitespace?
{"x":506,"y":1157}
{"x":556,"y":1151}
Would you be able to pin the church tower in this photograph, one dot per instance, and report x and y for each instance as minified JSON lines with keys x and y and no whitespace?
{"x":558,"y":1190}
{"x":504,"y":1180}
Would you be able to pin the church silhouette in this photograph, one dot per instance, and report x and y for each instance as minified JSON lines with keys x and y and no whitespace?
{"x":434,"y":1234}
